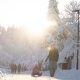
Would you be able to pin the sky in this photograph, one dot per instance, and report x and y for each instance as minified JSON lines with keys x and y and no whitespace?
{"x":22,"y":12}
{"x":25,"y":12}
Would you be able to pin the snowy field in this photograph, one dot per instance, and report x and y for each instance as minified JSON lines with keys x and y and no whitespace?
{"x":59,"y":75}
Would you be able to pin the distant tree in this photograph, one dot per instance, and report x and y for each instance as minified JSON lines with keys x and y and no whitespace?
{"x":2,"y":30}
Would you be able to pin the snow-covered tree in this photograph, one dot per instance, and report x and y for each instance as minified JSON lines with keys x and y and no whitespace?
{"x":71,"y":18}
{"x":52,"y":10}
{"x":70,"y":22}
{"x":56,"y":33}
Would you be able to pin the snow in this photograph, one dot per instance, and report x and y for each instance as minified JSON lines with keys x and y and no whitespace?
{"x":59,"y":75}
{"x":31,"y":54}
{"x":67,"y":51}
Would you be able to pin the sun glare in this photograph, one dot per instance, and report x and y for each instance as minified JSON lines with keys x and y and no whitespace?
{"x":37,"y":21}
{"x":29,"y":13}
{"x":38,"y":27}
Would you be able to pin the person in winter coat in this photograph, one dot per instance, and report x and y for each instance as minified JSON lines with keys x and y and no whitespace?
{"x":13,"y":68}
{"x":19,"y":68}
{"x":53,"y":58}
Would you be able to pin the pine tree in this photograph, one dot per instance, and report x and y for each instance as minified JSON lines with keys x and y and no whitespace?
{"x":53,"y":16}
{"x":53,"y":10}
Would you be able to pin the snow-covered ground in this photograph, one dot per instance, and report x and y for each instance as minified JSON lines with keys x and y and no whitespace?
{"x":59,"y":75}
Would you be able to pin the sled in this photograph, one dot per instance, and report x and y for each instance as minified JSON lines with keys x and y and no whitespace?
{"x":36,"y":71}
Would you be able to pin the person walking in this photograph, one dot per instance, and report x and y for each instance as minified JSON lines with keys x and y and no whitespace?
{"x":53,"y":58}
{"x":19,"y":68}
{"x":15,"y":68}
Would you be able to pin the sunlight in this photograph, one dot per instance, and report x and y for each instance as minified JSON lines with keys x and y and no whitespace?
{"x":29,"y":13}
{"x":49,"y":48}
{"x":38,"y":28}
{"x":37,"y":21}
